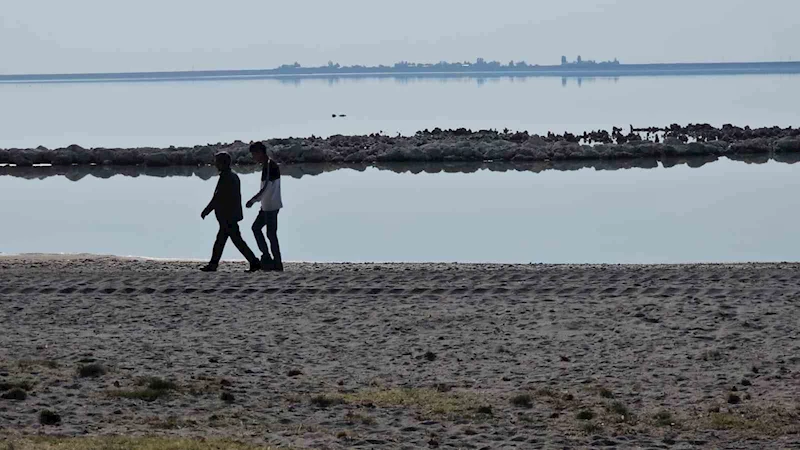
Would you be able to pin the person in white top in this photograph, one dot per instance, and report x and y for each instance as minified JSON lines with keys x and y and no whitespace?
{"x":270,"y":197}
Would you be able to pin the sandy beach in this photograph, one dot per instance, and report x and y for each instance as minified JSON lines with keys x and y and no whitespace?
{"x":403,"y":355}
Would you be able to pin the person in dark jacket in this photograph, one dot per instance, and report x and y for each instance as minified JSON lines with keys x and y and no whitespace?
{"x":227,"y":206}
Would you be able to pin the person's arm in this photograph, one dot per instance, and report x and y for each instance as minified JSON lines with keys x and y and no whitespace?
{"x":219,"y":194}
{"x":256,"y":197}
{"x":273,"y":173}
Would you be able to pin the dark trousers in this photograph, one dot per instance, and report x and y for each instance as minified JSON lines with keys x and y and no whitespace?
{"x":231,"y":230}
{"x":270,"y":220}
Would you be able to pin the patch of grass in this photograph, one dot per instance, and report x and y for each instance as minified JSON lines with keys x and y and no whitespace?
{"x":91,"y":371}
{"x":546,"y":392}
{"x":559,"y":401}
{"x":14,"y":394}
{"x":605,"y":392}
{"x":148,"y":395}
{"x":755,"y":422}
{"x":663,"y":418}
{"x":170,"y":423}
{"x":443,"y":387}
{"x":592,"y":428}
{"x":485,"y":410}
{"x":621,"y":410}
{"x":725,"y":421}
{"x":556,"y":399}
{"x":522,"y":401}
{"x":24,"y":385}
{"x":127,"y":443}
{"x":153,"y":389}
{"x":585,"y":414}
{"x":291,"y":429}
{"x":294,"y":398}
{"x":712,"y":355}
{"x":345,"y":435}
{"x":158,"y":384}
{"x":47,"y":417}
{"x":27,"y":364}
{"x":204,"y":385}
{"x":356,"y":417}
{"x":424,"y":400}
{"x":326,"y":401}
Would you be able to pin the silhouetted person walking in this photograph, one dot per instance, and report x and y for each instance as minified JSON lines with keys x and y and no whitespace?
{"x":271,"y":204}
{"x":227,"y":206}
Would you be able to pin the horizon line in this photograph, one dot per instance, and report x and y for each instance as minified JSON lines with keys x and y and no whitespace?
{"x":399,"y":68}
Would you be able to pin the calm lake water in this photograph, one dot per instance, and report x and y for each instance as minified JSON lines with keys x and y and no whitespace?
{"x":200,"y":112}
{"x":724,"y":211}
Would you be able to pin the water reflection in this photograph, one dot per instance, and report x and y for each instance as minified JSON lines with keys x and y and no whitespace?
{"x":695,"y":211}
{"x":477,"y":77}
{"x":580,"y":80}
{"x":334,"y":80}
{"x":76,"y":173}
{"x":90,"y":114}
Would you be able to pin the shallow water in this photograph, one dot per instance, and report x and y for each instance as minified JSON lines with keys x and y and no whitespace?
{"x":725,"y":211}
{"x":200,"y":112}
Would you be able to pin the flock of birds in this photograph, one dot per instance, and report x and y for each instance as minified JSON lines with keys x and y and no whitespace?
{"x":684,"y":134}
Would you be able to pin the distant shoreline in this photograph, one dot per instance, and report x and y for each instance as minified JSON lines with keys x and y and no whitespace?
{"x":425,"y":71}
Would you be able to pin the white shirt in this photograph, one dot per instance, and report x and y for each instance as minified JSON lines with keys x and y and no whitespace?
{"x":271,"y":186}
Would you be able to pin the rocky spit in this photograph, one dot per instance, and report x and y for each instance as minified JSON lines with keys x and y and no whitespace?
{"x":438,"y":146}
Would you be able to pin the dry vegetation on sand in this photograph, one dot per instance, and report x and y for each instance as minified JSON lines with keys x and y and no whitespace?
{"x":125,"y":443}
{"x":393,"y":356}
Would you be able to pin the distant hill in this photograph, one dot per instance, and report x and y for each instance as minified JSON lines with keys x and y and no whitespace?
{"x":479,"y":68}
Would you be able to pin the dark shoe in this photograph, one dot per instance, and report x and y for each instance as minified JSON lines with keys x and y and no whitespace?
{"x":266,"y":261}
{"x":254,"y":267}
{"x":209,"y":268}
{"x":272,"y":267}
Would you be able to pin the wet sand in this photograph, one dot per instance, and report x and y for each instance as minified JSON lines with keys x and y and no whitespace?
{"x":405,"y":355}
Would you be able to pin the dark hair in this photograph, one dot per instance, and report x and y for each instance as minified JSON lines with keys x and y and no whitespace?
{"x":258,"y":147}
{"x":224,"y":158}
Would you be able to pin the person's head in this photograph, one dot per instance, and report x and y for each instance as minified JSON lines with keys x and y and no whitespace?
{"x":222,"y":160}
{"x":259,"y":152}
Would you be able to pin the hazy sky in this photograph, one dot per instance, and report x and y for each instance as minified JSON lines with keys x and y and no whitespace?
{"x":112,"y":35}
